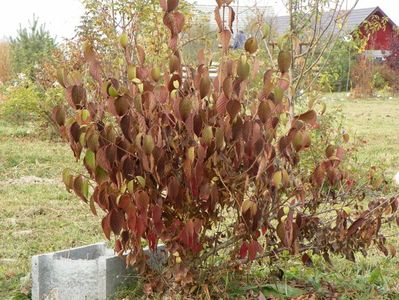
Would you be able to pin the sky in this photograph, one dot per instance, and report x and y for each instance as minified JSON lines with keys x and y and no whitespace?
{"x":62,"y":16}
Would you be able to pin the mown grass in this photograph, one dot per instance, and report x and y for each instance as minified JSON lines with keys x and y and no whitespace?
{"x":374,"y":125}
{"x":37,"y":218}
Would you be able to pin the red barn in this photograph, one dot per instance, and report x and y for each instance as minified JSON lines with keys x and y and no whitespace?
{"x":358,"y":20}
{"x":378,"y":41}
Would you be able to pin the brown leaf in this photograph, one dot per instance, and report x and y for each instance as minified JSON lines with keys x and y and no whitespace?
{"x":233,"y":108}
{"x":172,"y":5}
{"x":221,"y":104}
{"x":128,"y":168}
{"x":284,"y":61}
{"x":79,"y":187}
{"x":179,"y":21}
{"x":309,"y":117}
{"x":225,"y":37}
{"x":126,"y":126}
{"x":75,"y":132}
{"x":105,"y":223}
{"x":218,"y":18}
{"x":122,"y":104}
{"x":243,"y":250}
{"x":205,"y":86}
{"x":140,"y":54}
{"x":142,"y":200}
{"x":163,"y":4}
{"x":58,"y":115}
{"x":355,"y":226}
{"x":253,"y":248}
{"x":232,"y":16}
{"x":251,"y":45}
{"x":117,"y":219}
{"x":307,"y":261}
{"x":228,"y":86}
{"x":284,"y":82}
{"x":265,"y":110}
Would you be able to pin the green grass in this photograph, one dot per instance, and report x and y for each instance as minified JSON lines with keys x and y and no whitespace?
{"x":37,"y":218}
{"x":374,"y":125}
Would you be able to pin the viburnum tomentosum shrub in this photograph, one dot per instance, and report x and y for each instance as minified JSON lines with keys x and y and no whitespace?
{"x":207,"y":166}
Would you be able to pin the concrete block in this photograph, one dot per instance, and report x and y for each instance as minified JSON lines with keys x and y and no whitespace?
{"x":91,"y":272}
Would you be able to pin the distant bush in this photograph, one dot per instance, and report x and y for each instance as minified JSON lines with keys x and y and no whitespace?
{"x":362,"y":77}
{"x":27,"y":103}
{"x":5,"y":62}
{"x":337,"y":64}
{"x":369,"y":76}
{"x":21,"y":103}
{"x":386,"y":76}
{"x":378,"y":81}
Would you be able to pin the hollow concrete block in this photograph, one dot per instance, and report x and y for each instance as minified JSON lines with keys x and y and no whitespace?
{"x":91,"y":272}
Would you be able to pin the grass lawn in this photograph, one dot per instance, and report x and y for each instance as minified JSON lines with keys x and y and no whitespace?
{"x":373,"y":124}
{"x":37,"y":215}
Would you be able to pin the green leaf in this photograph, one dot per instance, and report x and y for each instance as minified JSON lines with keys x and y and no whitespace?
{"x":85,"y":188}
{"x":85,"y":115}
{"x":141,"y":181}
{"x":130,"y":186}
{"x":67,"y":178}
{"x":101,"y":175}
{"x":90,"y":159}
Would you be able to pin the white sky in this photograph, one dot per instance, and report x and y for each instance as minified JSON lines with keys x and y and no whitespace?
{"x":62,"y":16}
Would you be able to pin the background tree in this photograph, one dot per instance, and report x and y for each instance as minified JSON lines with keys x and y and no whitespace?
{"x":32,"y":44}
{"x":5,"y":62}
{"x":141,"y":20}
{"x":315,"y":26}
{"x":393,"y":58}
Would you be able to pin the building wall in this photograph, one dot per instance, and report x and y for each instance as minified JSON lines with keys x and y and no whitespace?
{"x":381,"y":39}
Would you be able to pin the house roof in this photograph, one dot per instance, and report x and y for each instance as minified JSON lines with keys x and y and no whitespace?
{"x":280,"y":24}
{"x":353,"y":20}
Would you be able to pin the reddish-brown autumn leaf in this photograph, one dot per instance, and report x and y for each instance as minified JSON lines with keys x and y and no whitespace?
{"x":172,"y":4}
{"x":233,"y":108}
{"x":75,"y":132}
{"x":142,"y":200}
{"x":253,"y":249}
{"x":309,"y":117}
{"x":232,"y":16}
{"x":307,"y":261}
{"x":228,"y":86}
{"x":243,"y":250}
{"x":221,"y":104}
{"x":218,"y":19}
{"x":205,"y":86}
{"x":105,"y":223}
{"x":58,"y":115}
{"x":140,"y":54}
{"x":225,"y":37}
{"x":117,"y":219}
{"x":122,"y":104}
{"x":355,"y":226}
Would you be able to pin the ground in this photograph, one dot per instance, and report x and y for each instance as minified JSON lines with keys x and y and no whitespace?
{"x":374,"y":123}
{"x":38,"y":215}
